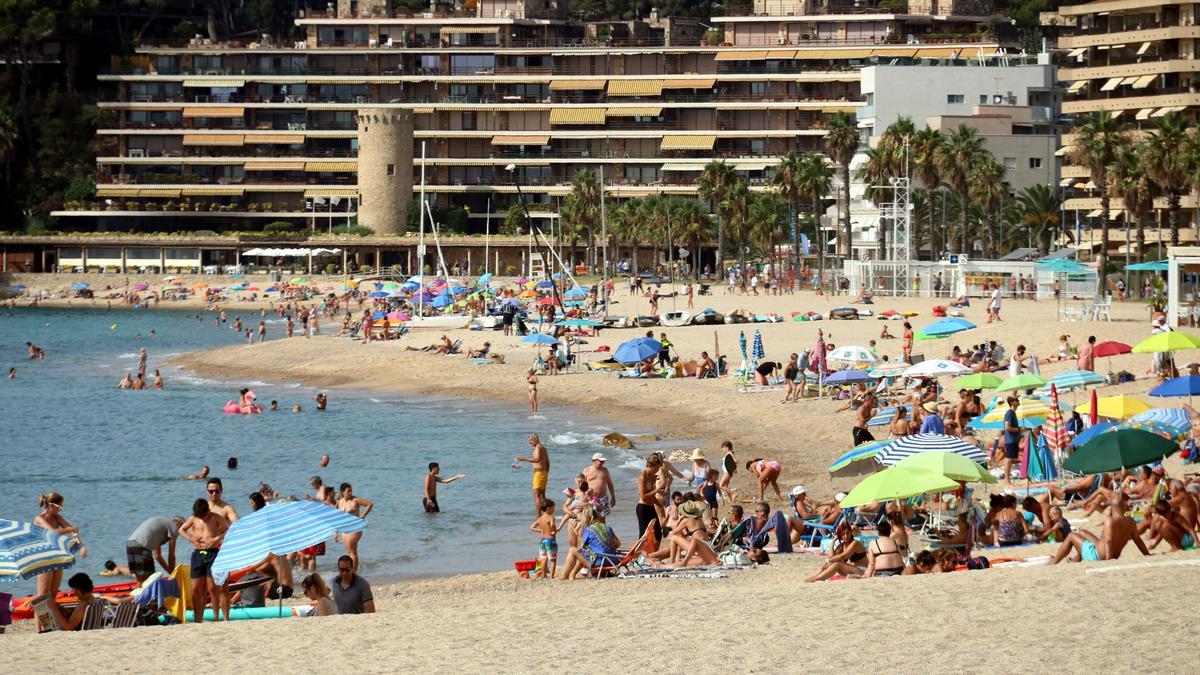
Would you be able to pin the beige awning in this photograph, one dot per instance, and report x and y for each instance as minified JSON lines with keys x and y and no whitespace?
{"x":520,"y":140}
{"x":104,"y":191}
{"x":849,"y":53}
{"x":422,"y":111}
{"x":223,"y":191}
{"x":1075,"y":53}
{"x":322,"y":167}
{"x":213,"y":139}
{"x":640,"y":111}
{"x":1064,"y":151}
{"x":697,"y":83}
{"x":280,"y":139}
{"x":1143,"y":113}
{"x":1076,"y":86}
{"x":635,"y":87}
{"x":469,"y":30}
{"x":683,"y":166}
{"x":274,"y":166}
{"x":214,"y":112}
{"x":781,"y":54}
{"x":315,"y":82}
{"x":680,"y":142}
{"x":753,"y":165}
{"x":577,"y":116}
{"x":814,"y":54}
{"x":1161,"y":111}
{"x":1143,"y":81}
{"x":204,"y":82}
{"x":937,"y":53}
{"x":1145,"y":47}
{"x":741,"y":55}
{"x":331,"y":192}
{"x":1095,"y":213}
{"x":583,"y":85}
{"x":159,"y":192}
{"x":891,"y":52}
{"x":1112,"y":83}
{"x":1117,"y":113}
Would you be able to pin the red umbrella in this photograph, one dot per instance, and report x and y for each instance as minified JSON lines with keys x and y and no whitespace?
{"x":547,"y":301}
{"x":1111,"y":349}
{"x":1054,"y":430}
{"x":1093,"y":417}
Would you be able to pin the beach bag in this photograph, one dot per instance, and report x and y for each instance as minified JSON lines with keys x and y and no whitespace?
{"x":978,"y":562}
{"x":734,"y":556}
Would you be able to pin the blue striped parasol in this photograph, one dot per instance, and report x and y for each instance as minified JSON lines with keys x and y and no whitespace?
{"x":886,"y":416}
{"x":280,"y":529}
{"x":27,"y":550}
{"x":1072,"y":379}
{"x":918,"y":443}
{"x":1172,"y":417}
{"x":757,"y":352}
{"x":858,"y":461}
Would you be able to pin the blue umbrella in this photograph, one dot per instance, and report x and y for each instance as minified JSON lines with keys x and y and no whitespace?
{"x":379,"y":315}
{"x":484,"y":278}
{"x":1092,"y":432}
{"x":757,"y":351}
{"x":545,"y":284}
{"x":859,"y":461}
{"x":458,"y":290}
{"x":1153,"y":266}
{"x":576,"y":292}
{"x":539,"y":339}
{"x":918,"y":443}
{"x":410,"y":286}
{"x":379,"y":294}
{"x":843,"y":376}
{"x":27,"y":550}
{"x":18,"y":287}
{"x":1041,"y":465}
{"x":443,"y":300}
{"x":1172,"y":417}
{"x":80,"y":285}
{"x":638,"y":349}
{"x":947,"y":326}
{"x":887,"y":415}
{"x":1073,"y":379}
{"x":581,"y":323}
{"x":1187,"y":385}
{"x":1061,"y":266}
{"x":281,"y":529}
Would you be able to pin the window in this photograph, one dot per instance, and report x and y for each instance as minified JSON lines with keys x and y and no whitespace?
{"x":1010,"y":163}
{"x":955,"y":98}
{"x":983,"y":99}
{"x":1035,"y":162}
{"x":391,"y":169}
{"x":870,"y":98}
{"x":468,"y":120}
{"x":758,"y":89}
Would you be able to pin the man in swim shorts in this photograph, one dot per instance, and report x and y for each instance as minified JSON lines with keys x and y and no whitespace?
{"x":205,"y":530}
{"x":431,"y":482}
{"x":144,"y":546}
{"x":540,"y":460}
{"x":1117,"y":531}
{"x":600,"y":485}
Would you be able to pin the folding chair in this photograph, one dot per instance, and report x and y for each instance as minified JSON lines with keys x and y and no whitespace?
{"x":634,"y":552}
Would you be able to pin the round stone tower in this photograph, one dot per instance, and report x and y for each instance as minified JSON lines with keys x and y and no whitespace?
{"x":385,"y":168}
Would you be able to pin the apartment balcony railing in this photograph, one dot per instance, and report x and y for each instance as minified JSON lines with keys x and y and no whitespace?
{"x":501,"y":98}
{"x":786,"y":8}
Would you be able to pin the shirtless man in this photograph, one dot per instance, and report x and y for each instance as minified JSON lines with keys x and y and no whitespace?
{"x":1117,"y":531}
{"x":126,"y":382}
{"x":862,"y":415}
{"x":1184,"y":502}
{"x":650,"y":497}
{"x":198,"y":476}
{"x":324,"y":492}
{"x":322,"y":401}
{"x":225,"y":510}
{"x":600,"y":485}
{"x":139,"y":383}
{"x":205,"y":530}
{"x":431,"y":482}
{"x":540,"y":460}
{"x":1165,"y":524}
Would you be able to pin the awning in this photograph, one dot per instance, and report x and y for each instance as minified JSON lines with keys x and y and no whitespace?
{"x":1161,"y":111}
{"x":159,"y":192}
{"x":155,"y":108}
{"x":904,"y":52}
{"x":281,"y":139}
{"x":1117,"y":113}
{"x":520,"y":140}
{"x":322,"y":167}
{"x":741,"y":56}
{"x":422,"y":111}
{"x":1076,"y":86}
{"x":683,"y":166}
{"x":275,"y":166}
{"x":313,"y":83}
{"x":849,"y":53}
{"x":577,"y":116}
{"x":469,"y":30}
{"x":1143,"y":113}
{"x":1112,"y":83}
{"x":274,"y":188}
{"x":331,"y":192}
{"x":635,"y":87}
{"x":1143,"y":81}
{"x":1076,"y":53}
{"x":1095,"y":213}
{"x":213,"y":139}
{"x":214,"y":112}
{"x":1064,"y":151}
{"x":757,"y":165}
{"x":116,"y":192}
{"x":680,"y":142}
{"x":937,"y":53}
{"x":224,"y":191}
{"x":781,"y":54}
{"x":582,"y":85}
{"x":639,"y":111}
{"x":814,"y":54}
{"x":213,"y":83}
{"x":698,"y":83}
{"x":1145,"y":47}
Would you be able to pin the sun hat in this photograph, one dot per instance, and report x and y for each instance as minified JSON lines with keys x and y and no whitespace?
{"x":600,"y":457}
{"x":840,"y":496}
{"x":930,"y":406}
{"x":697,"y":453}
{"x":798,"y":490}
{"x":693,"y":509}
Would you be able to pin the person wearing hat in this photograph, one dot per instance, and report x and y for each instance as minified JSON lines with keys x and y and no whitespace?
{"x":600,"y":485}
{"x":700,"y":468}
{"x":932,"y":424}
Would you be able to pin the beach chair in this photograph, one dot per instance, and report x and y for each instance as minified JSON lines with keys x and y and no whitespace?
{"x":95,"y":616}
{"x":125,"y":615}
{"x":1077,"y":497}
{"x":634,"y":552}
{"x":821,"y":530}
{"x":455,"y":348}
{"x":41,"y":609}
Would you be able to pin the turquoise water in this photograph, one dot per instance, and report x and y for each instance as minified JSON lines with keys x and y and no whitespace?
{"x":117,"y":456}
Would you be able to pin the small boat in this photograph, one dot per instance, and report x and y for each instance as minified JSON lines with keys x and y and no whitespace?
{"x":708,"y":317}
{"x":843,"y":313}
{"x":675,"y":319}
{"x":647,"y":320}
{"x":739,"y":316}
{"x":440,"y":322}
{"x":485,"y":322}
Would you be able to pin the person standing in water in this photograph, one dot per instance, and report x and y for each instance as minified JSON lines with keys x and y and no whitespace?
{"x":142,"y":362}
{"x":351,"y":504}
{"x":262,"y":331}
{"x":431,"y":482}
{"x":322,"y":400}
{"x":532,"y":381}
{"x":540,"y":460}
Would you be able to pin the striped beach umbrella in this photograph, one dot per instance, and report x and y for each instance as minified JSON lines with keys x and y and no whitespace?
{"x":1174,"y":417}
{"x":1030,"y":414}
{"x":887,"y":415}
{"x":1073,"y":379}
{"x":757,"y":352}
{"x":858,"y":461}
{"x":281,"y":529}
{"x":895,"y":369}
{"x":918,"y":443}
{"x":1157,"y":428}
{"x":1054,"y":430}
{"x":27,"y":550}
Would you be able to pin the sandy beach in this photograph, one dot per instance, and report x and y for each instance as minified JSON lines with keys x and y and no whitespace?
{"x":1123,"y":615}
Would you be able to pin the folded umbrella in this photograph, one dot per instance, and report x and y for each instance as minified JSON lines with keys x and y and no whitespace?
{"x":280,"y":528}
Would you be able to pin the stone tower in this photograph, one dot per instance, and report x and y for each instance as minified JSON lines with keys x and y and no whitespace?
{"x":385,"y":168}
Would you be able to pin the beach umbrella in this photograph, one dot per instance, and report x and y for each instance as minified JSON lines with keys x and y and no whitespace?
{"x":379,"y":294}
{"x":1119,"y":449}
{"x":937,"y":368}
{"x":845,"y":376}
{"x":580,"y":323}
{"x":1187,"y":385}
{"x":485,"y":277}
{"x":977,"y":381}
{"x":1054,"y":429}
{"x":539,"y":339}
{"x":853,"y":354}
{"x":299,"y":280}
{"x":1109,"y":349}
{"x":27,"y":550}
{"x":137,"y":287}
{"x":1167,"y":341}
{"x":443,"y":300}
{"x":918,"y":443}
{"x":897,"y":483}
{"x":887,"y":415}
{"x":756,"y":351}
{"x":1038,"y":463}
{"x":1120,"y":407}
{"x":80,"y":286}
{"x":21,"y":287}
{"x":548,"y":301}
{"x":280,"y":528}
{"x":858,"y":461}
{"x":1092,"y":432}
{"x":397,"y":316}
{"x":521,"y":280}
{"x":1175,"y":417}
{"x":1165,"y":430}
{"x":528,"y":294}
{"x":944,"y":328}
{"x":1093,"y":410}
{"x":545,"y":285}
{"x":1150,"y":266}
{"x":1021,"y":382}
{"x":576,"y":292}
{"x":742,"y":346}
{"x":1031,"y":413}
{"x":1073,"y":379}
{"x":948,"y":464}
{"x":638,"y":349}
{"x":894,"y":369}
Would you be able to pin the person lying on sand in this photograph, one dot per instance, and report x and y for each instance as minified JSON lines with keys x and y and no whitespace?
{"x":1117,"y":531}
{"x":442,"y":346}
{"x":481,"y":352}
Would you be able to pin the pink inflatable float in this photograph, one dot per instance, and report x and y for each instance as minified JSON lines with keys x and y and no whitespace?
{"x":247,"y":407}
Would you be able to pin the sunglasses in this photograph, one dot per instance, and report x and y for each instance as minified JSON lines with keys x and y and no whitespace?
{"x":214,"y":492}
{"x":343,"y":569}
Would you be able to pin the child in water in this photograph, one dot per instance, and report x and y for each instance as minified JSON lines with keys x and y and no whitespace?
{"x":548,"y":546}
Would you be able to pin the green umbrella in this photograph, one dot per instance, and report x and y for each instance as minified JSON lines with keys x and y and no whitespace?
{"x":977,"y":381}
{"x":1022,"y":381}
{"x":1119,"y":449}
{"x":897,"y":483}
{"x":1167,"y":341}
{"x":948,"y":464}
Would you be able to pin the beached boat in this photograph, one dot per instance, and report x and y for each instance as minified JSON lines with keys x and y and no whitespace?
{"x":440,"y":322}
{"x":843,"y":313}
{"x":708,"y":317}
{"x":739,"y":316}
{"x":675,"y":319}
{"x":647,"y":320}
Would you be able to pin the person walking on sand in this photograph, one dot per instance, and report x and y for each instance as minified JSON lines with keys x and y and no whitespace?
{"x":600,"y":485}
{"x":532,"y":380}
{"x":432,"y":479}
{"x":350,"y":503}
{"x":540,"y":460}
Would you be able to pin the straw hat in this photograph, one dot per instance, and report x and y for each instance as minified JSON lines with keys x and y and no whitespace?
{"x":930,"y":406}
{"x":697,"y":453}
{"x":693,"y":509}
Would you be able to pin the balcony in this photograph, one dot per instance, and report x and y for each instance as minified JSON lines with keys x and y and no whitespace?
{"x":786,"y":8}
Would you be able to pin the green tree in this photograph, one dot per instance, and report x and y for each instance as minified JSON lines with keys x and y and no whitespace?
{"x":514,"y":220}
{"x":1169,"y":165}
{"x":786,"y":181}
{"x":958,"y":152}
{"x":736,"y":209}
{"x":815,"y":180}
{"x":1130,"y":181}
{"x":584,"y":206}
{"x":713,"y":185}
{"x":694,"y":225}
{"x":988,"y":190}
{"x":927,"y":171}
{"x":1040,"y":209}
{"x":841,"y":143}
{"x":1097,"y":141}
{"x":768,"y":224}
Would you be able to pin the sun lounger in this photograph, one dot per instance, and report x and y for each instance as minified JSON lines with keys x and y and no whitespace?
{"x":630,"y":556}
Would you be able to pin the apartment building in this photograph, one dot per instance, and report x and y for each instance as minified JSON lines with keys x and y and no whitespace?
{"x":501,"y":93}
{"x":1137,"y":59}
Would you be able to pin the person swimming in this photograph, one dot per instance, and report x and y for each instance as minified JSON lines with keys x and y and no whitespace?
{"x":198,"y":476}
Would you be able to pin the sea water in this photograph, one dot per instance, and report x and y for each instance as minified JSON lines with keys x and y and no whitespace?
{"x":118,"y":456}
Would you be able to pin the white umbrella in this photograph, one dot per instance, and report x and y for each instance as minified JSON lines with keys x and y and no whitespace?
{"x":853,"y":354}
{"x":937,"y":368}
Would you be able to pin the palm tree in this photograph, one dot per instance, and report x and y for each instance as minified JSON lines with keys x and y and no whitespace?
{"x":1168,"y":165}
{"x":785,"y":180}
{"x":988,"y":189}
{"x":626,"y":226}
{"x":736,"y":210}
{"x":713,"y":185}
{"x":842,"y":143}
{"x":1130,"y":181}
{"x":1039,"y":207}
{"x":956,"y":155}
{"x":584,"y":201}
{"x":1096,"y":144}
{"x":768,"y":222}
{"x":925,"y":144}
{"x":815,"y":180}
{"x":692,"y":224}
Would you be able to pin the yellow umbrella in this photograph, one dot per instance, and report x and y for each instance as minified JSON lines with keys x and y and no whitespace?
{"x":1030,"y":407}
{"x":1167,"y":341}
{"x":1116,"y":407}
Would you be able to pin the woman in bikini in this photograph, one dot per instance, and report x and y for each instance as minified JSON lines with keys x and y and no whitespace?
{"x":532,"y":380}
{"x":767,"y":472}
{"x":350,"y":503}
{"x":899,"y":533}
{"x":884,"y":558}
{"x":51,"y":518}
{"x":1010,"y":526}
{"x":845,"y":559}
